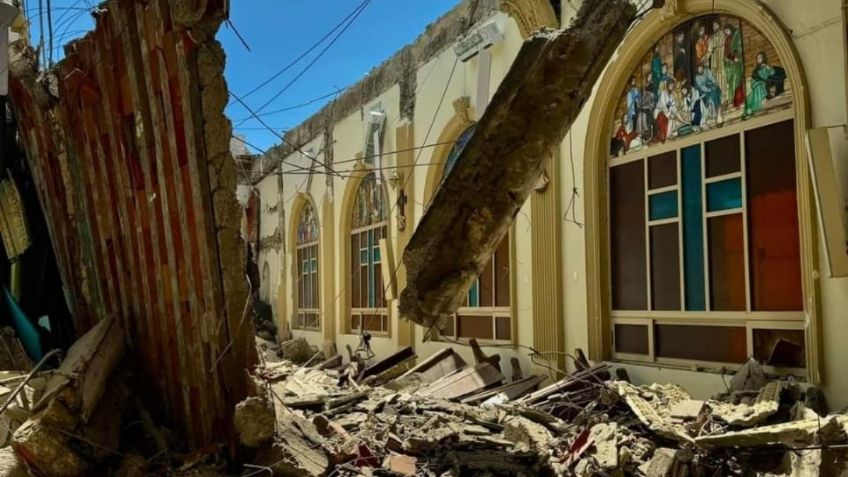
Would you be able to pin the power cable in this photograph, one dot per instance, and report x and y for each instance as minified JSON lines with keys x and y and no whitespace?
{"x":305,"y":53}
{"x":314,"y":60}
{"x":50,"y":31}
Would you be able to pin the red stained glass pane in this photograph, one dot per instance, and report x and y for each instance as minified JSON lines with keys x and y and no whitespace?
{"x":727,"y":263}
{"x":773,"y":219}
{"x":662,"y":170}
{"x":722,"y":344}
{"x":632,"y":339}
{"x":723,"y":156}
{"x":665,"y":267}
{"x":503,"y":328}
{"x":479,"y":327}
{"x":627,"y":237}
{"x":373,"y":322}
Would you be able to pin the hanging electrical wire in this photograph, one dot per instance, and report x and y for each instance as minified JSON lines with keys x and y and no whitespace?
{"x":309,"y":65}
{"x":307,"y":52}
{"x":50,"y":32}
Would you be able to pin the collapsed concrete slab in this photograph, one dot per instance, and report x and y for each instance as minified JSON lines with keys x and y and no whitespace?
{"x":545,"y":89}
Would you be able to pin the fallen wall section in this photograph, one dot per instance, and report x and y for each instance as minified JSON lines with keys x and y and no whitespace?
{"x":129,"y":148}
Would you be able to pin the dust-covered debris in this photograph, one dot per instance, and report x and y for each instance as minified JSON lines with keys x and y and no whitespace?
{"x":429,"y":423}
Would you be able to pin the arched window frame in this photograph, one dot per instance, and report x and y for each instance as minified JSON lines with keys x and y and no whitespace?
{"x":488,"y":320}
{"x":597,"y":151}
{"x":306,"y":255}
{"x":366,"y":292}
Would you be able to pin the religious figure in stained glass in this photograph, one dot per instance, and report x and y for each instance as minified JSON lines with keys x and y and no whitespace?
{"x":710,"y":71}
{"x":682,"y":58}
{"x":457,"y":149}
{"x":733,"y":65}
{"x":307,"y":225}
{"x":633,"y":98}
{"x":710,"y":91}
{"x":716,"y":57}
{"x":767,"y":82}
{"x":370,"y":206}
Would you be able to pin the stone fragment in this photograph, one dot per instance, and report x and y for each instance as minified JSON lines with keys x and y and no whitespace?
{"x":293,"y":455}
{"x":766,"y":404}
{"x":401,"y":464}
{"x":605,"y":438}
{"x":521,"y":430}
{"x":750,"y":377}
{"x":660,"y":464}
{"x":254,"y":421}
{"x":296,"y":350}
{"x":688,"y":409}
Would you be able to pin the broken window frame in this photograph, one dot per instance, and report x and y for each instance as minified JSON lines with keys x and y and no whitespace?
{"x":307,"y":318}
{"x":749,"y":319}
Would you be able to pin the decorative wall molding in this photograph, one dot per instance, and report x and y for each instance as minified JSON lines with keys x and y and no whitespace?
{"x":531,"y":15}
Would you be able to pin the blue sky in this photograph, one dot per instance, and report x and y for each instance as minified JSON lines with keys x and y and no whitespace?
{"x":279,"y":31}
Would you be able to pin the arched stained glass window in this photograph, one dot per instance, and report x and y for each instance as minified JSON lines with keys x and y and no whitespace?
{"x":307,"y":305}
{"x":457,"y":149}
{"x":711,"y":71}
{"x":703,"y":201}
{"x":487,"y":313}
{"x":369,"y":225}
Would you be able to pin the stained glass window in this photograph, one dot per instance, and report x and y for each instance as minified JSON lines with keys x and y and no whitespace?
{"x":711,"y":71}
{"x":457,"y":149}
{"x":307,"y":316}
{"x":486,"y":313}
{"x":369,"y":226}
{"x":704,"y":227}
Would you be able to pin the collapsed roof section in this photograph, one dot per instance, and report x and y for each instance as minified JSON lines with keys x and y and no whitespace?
{"x":129,"y":148}
{"x":534,"y":107}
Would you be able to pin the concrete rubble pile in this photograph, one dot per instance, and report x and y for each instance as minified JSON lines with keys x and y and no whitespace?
{"x":444,"y":417}
{"x":312,"y":415}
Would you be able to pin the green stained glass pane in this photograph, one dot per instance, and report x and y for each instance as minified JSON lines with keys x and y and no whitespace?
{"x":474,"y":295}
{"x":724,"y":195}
{"x":376,"y":254}
{"x":663,"y":205}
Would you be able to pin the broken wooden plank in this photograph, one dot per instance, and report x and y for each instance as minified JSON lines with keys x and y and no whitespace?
{"x":576,"y":380}
{"x":507,"y":392}
{"x":330,"y":363}
{"x":464,"y":382}
{"x":83,"y":374}
{"x":443,"y":363}
{"x":547,"y":85}
{"x":389,"y":362}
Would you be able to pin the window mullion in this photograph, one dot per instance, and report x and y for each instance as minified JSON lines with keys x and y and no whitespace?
{"x":705,"y":227}
{"x":746,"y":251}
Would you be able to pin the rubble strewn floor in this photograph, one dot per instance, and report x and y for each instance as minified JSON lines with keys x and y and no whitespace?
{"x":401,"y":416}
{"x":329,"y":423}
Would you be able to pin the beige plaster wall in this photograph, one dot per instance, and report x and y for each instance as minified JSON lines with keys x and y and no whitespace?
{"x":348,"y":135}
